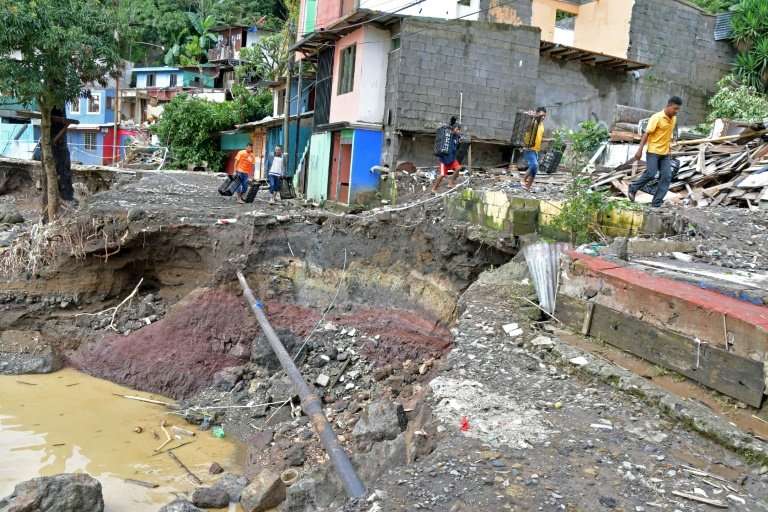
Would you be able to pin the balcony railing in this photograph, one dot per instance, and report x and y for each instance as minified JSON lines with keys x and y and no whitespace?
{"x":222,"y":53}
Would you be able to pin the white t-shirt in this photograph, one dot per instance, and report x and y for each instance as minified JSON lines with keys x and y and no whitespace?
{"x":277,"y":166}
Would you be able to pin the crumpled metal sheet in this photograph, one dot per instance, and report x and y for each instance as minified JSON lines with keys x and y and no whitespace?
{"x":543,"y":261}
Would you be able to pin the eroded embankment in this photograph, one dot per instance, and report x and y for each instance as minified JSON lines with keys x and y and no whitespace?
{"x":394,"y":279}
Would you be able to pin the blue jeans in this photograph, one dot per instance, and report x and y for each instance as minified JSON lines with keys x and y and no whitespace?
{"x":243,"y":182}
{"x":532,"y":158}
{"x":656,"y":164}
{"x":274,"y":183}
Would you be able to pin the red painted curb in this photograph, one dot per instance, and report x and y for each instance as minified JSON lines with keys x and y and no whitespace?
{"x":706,"y":299}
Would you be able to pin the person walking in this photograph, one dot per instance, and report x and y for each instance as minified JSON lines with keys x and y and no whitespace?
{"x":448,"y":162}
{"x":276,"y":173}
{"x":531,"y":155}
{"x":245,"y":161}
{"x":658,"y":136}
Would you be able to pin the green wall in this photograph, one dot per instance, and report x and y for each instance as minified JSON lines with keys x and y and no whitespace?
{"x":319,"y":163}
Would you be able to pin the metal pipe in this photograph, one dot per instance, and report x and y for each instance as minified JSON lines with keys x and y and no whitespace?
{"x":310,"y":402}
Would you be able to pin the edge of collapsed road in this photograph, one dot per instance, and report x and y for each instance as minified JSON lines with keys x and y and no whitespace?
{"x":695,"y":416}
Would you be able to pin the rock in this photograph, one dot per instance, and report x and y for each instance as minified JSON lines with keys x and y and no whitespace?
{"x":210,"y":497}
{"x":180,"y":506}
{"x":262,"y":353}
{"x":215,"y":469}
{"x":135,"y":214}
{"x":322,"y":380}
{"x":378,"y":423}
{"x":60,"y":493}
{"x":543,"y":342}
{"x":301,"y":496}
{"x":266,"y":491}
{"x":232,"y":484}
{"x":280,"y":390}
{"x":294,"y":456}
{"x":226,"y":379}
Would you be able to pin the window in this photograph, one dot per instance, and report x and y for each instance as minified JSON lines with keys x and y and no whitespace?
{"x":464,"y":2}
{"x":565,"y":28}
{"x":347,"y":70}
{"x":174,"y":80}
{"x":89,"y":141}
{"x":396,"y":42}
{"x":94,"y":104}
{"x":74,"y":106}
{"x":151,"y":80}
{"x":110,"y":103}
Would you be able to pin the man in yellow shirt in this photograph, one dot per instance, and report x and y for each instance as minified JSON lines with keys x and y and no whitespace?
{"x":531,"y":155}
{"x":245,"y":161}
{"x":658,"y":136}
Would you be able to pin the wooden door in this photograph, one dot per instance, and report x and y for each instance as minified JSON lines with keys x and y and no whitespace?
{"x":333,"y":182}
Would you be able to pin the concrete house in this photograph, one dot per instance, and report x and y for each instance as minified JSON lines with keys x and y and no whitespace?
{"x":150,"y":88}
{"x":90,"y":142}
{"x":389,"y":73}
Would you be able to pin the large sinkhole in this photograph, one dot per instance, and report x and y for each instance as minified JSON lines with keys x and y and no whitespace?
{"x":365,"y":303}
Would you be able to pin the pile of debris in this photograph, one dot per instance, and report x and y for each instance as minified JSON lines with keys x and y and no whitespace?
{"x":140,"y":155}
{"x":726,"y":170}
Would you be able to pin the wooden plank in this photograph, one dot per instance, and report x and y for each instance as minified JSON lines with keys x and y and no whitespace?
{"x":732,"y":375}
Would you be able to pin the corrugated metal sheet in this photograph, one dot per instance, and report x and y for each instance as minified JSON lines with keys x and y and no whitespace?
{"x":723,"y":26}
{"x":319,"y":162}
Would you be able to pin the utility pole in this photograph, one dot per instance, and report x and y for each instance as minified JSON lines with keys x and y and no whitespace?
{"x":298,"y":122}
{"x":287,"y":107}
{"x":116,"y":114}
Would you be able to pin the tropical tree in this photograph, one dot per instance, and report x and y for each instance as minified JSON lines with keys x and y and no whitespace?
{"x":50,"y":49}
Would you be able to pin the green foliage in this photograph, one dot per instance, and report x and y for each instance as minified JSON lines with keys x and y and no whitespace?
{"x":190,"y":126}
{"x":559,"y":140}
{"x":582,"y":211}
{"x":735,"y":100}
{"x":61,"y":45}
{"x":589,"y":137}
{"x":715,"y":6}
{"x":266,"y":59}
{"x":750,"y":34}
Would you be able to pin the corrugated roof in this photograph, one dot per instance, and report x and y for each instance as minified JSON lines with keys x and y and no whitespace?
{"x":724,"y":26}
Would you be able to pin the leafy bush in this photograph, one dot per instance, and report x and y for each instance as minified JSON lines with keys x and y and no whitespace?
{"x":582,"y":211}
{"x":735,"y":100}
{"x":190,"y":126}
{"x":715,"y":6}
{"x":588,"y":138}
{"x":750,"y":34}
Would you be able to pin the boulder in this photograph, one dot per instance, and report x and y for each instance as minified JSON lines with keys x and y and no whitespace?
{"x":210,"y":497}
{"x":60,"y":493}
{"x":265,"y":492}
{"x":378,"y":423}
{"x":232,"y":484}
{"x":180,"y":506}
{"x":225,"y":380}
{"x":262,"y":353}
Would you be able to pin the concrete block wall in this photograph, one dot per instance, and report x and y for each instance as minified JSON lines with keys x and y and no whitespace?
{"x":495,"y":65}
{"x":678,"y":40}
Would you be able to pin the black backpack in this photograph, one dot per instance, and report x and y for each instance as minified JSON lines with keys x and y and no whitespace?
{"x":443,"y":141}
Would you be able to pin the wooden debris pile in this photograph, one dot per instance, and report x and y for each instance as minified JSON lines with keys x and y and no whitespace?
{"x":729,"y":170}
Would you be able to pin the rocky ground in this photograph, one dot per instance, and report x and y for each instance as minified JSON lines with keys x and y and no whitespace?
{"x":439,"y":415}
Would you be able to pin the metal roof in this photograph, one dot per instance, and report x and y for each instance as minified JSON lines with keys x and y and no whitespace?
{"x":316,"y":41}
{"x":724,"y":26}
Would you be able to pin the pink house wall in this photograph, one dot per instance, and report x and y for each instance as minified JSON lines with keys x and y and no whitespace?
{"x":345,"y":107}
{"x":328,"y":11}
{"x":365,"y":103}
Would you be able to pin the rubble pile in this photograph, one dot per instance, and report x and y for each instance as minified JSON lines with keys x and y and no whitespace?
{"x":140,"y":156}
{"x":727,"y":171}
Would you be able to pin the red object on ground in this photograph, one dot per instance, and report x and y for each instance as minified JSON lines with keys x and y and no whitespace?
{"x":464,"y":424}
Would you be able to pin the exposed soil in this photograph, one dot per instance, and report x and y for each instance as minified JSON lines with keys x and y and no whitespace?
{"x":178,"y":355}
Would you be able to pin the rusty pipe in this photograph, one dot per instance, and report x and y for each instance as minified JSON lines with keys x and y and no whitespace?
{"x":310,"y":402}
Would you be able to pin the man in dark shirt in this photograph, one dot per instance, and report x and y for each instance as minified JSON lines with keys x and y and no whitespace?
{"x":448,"y":162}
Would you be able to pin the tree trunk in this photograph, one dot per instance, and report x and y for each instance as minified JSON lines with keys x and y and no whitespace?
{"x":50,"y":200}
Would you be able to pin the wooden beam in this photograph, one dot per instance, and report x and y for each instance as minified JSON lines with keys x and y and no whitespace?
{"x":733,"y":375}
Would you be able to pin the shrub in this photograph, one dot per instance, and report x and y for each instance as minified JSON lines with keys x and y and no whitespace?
{"x":735,"y":100}
{"x":589,"y":137}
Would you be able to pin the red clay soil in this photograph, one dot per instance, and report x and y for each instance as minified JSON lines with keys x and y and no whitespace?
{"x":212,"y":329}
{"x":402,"y":334}
{"x":207,"y":331}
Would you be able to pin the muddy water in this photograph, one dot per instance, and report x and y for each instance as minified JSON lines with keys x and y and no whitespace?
{"x":71,"y":422}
